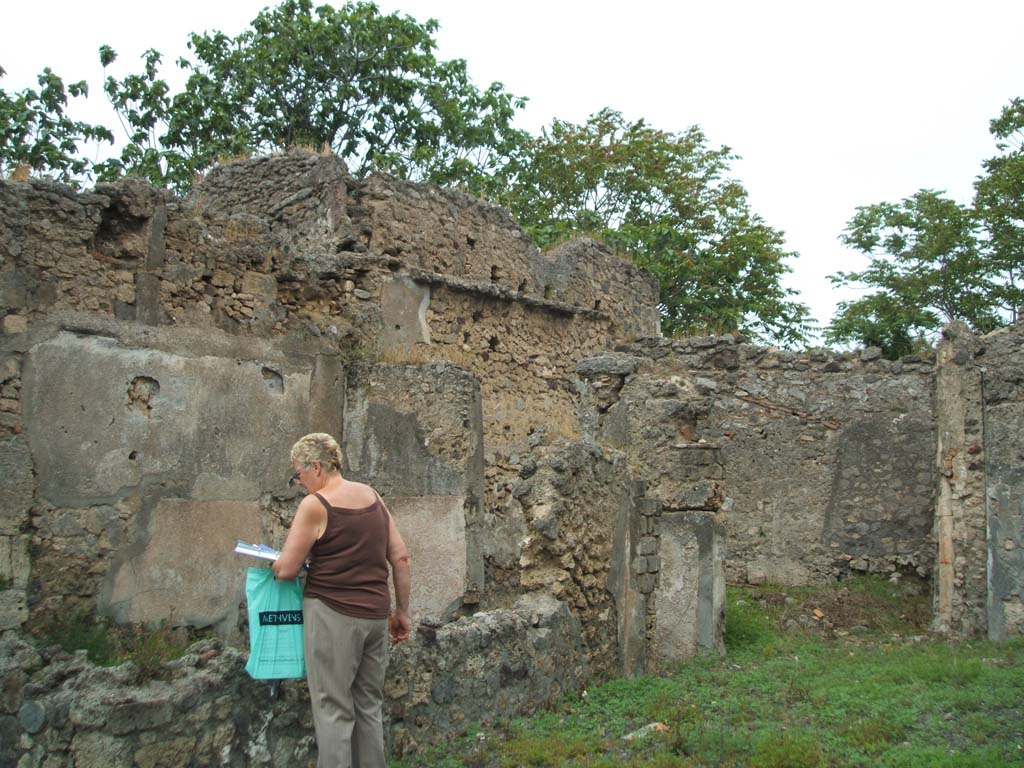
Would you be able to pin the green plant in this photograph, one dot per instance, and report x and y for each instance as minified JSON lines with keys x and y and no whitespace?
{"x":82,"y":631}
{"x":788,"y":749}
{"x":37,"y":135}
{"x":109,"y":645}
{"x":150,"y":649}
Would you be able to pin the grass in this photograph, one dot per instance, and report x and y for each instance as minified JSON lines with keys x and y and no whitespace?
{"x":860,"y":685}
{"x":108,"y":645}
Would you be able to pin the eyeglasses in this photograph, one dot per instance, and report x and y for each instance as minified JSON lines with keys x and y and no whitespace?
{"x":293,"y":479}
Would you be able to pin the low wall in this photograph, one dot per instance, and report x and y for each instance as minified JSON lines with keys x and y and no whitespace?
{"x":58,"y":710}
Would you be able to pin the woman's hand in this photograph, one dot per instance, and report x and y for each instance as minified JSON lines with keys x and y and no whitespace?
{"x":399,"y":626}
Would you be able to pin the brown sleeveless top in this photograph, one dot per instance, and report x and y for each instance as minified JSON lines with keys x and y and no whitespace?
{"x":348,"y":565}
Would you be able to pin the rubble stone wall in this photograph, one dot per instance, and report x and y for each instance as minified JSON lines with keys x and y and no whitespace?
{"x":816,"y":463}
{"x":59,"y":710}
{"x":291,"y":247}
{"x":159,"y":356}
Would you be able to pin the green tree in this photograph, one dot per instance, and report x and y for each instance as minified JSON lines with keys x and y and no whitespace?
{"x":999,"y":203}
{"x":143,"y":104}
{"x":927,"y":268}
{"x":348,"y":79}
{"x":665,"y":200}
{"x":36,"y":133}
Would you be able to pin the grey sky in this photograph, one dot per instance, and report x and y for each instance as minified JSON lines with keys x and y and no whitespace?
{"x":830,"y":105}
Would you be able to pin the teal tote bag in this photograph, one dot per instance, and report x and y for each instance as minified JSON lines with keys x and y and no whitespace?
{"x":275,"y":626}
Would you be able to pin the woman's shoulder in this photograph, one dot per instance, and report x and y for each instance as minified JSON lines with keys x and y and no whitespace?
{"x":355,"y":495}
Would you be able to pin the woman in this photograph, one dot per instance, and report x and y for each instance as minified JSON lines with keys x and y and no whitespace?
{"x":349,"y":538}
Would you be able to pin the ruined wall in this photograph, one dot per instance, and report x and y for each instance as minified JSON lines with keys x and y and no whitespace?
{"x":1003,"y":383}
{"x":584,"y":531}
{"x":58,"y":710}
{"x":816,"y":463}
{"x":483,"y":669}
{"x":576,"y":508}
{"x":160,"y":355}
{"x":290,"y":247}
{"x":138,"y":463}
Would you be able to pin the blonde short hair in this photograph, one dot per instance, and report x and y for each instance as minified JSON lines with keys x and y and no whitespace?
{"x":317,"y":447}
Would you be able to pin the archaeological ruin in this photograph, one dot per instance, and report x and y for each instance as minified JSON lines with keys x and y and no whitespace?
{"x":575,"y":489}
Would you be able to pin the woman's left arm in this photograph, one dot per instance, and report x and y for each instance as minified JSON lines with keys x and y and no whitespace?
{"x":301,"y":537}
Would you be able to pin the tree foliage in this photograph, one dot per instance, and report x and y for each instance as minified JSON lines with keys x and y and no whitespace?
{"x":37,"y":134}
{"x":933,"y":260}
{"x":999,"y":203}
{"x":348,"y":79}
{"x":666,"y":201}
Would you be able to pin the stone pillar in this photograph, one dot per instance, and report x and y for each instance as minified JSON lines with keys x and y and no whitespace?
{"x":960,"y":579}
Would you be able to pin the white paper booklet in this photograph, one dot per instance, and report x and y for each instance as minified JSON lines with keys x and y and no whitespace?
{"x":257,"y":550}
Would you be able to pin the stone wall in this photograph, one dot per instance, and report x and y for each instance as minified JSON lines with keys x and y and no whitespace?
{"x":291,"y":247}
{"x":1003,"y":384}
{"x":816,"y":463}
{"x":160,"y":355}
{"x":138,"y":464}
{"x":58,"y":710}
{"x":959,"y":593}
{"x":483,"y":669}
{"x":586,"y":533}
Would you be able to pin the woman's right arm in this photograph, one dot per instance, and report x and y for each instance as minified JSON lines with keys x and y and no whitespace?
{"x":398,"y":556}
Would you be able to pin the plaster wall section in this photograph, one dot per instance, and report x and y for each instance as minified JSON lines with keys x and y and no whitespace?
{"x":414,"y":433}
{"x":816,"y":463}
{"x":690,"y":600}
{"x":999,"y":357}
{"x":147,"y":465}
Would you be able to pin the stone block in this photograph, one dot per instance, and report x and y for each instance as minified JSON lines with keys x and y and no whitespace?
{"x":222,"y":278}
{"x":14,"y":324}
{"x":704,"y":495}
{"x":434,"y":529}
{"x":93,"y":749}
{"x":14,"y":561}
{"x":258,"y":284}
{"x":184,"y":571}
{"x":172,"y":753}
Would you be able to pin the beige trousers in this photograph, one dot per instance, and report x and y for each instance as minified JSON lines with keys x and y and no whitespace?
{"x":345,"y":662}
